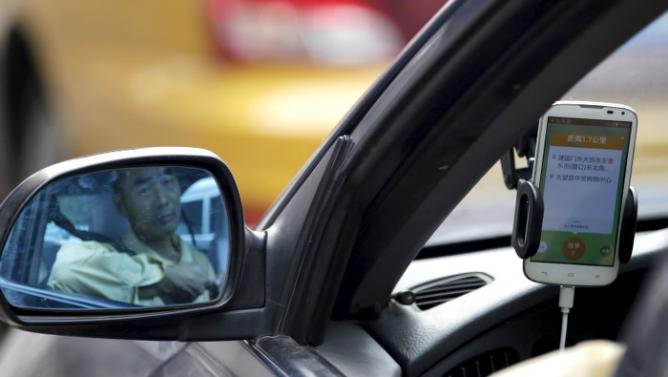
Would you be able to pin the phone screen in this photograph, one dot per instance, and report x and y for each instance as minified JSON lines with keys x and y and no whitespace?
{"x":584,"y":165}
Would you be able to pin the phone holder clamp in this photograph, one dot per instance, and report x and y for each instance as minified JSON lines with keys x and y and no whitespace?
{"x":528,"y":222}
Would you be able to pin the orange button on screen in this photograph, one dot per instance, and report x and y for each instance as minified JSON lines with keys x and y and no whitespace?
{"x":573,"y":248}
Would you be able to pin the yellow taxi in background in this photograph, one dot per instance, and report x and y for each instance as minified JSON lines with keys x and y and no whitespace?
{"x":260,"y":82}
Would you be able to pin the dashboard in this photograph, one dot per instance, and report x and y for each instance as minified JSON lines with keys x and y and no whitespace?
{"x":507,"y":320}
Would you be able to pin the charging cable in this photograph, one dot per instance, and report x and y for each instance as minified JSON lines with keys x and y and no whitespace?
{"x":566,"y":296}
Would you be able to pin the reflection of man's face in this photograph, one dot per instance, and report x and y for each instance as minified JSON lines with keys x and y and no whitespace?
{"x":150,"y":199}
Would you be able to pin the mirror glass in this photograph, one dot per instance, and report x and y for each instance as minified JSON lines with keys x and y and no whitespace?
{"x":132,"y":237}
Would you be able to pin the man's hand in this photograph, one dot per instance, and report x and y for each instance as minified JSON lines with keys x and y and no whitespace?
{"x":184,"y":282}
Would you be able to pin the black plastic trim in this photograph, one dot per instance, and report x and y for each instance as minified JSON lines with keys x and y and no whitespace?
{"x":629,"y":226}
{"x":528,"y":221}
{"x":463,"y":247}
{"x":321,"y":268}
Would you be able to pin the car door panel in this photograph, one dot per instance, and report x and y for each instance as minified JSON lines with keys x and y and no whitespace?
{"x":35,"y":355}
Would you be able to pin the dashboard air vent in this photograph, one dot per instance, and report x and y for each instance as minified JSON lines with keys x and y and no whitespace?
{"x":485,"y":364}
{"x":445,"y":289}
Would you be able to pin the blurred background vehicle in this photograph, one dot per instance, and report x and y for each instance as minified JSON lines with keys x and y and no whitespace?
{"x":260,"y":82}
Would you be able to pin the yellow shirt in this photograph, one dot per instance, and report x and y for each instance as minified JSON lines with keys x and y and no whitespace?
{"x":98,"y":269}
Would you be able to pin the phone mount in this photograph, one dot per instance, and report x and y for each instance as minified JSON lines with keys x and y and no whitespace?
{"x":529,"y":221}
{"x":524,"y":148}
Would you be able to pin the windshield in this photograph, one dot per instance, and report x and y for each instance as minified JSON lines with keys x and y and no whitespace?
{"x":635,"y":75}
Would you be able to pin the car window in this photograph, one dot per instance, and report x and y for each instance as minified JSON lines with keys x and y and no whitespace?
{"x":193,"y":212}
{"x":636,"y":74}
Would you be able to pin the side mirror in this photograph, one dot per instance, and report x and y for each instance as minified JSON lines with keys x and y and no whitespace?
{"x":126,"y":237}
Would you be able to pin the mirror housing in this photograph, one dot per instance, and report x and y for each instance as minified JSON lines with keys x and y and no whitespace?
{"x":238,"y":312}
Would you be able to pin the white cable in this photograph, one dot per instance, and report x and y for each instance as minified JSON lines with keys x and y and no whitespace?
{"x":566,"y":296}
{"x":564,"y":326}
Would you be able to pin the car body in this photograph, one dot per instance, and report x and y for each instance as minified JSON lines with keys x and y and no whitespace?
{"x":339,"y":247}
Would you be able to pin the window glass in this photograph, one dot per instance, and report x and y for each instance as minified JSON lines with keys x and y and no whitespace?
{"x":192,"y":212}
{"x":636,"y":75}
{"x":217,"y":220}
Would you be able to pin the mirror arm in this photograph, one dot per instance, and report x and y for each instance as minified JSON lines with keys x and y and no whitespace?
{"x":251,"y":291}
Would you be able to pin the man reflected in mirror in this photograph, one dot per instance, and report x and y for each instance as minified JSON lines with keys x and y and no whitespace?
{"x":151,"y":265}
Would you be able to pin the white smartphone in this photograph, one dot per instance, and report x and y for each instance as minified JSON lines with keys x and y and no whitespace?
{"x":584,"y":155}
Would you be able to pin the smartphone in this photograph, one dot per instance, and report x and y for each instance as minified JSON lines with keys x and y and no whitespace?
{"x":584,"y":155}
